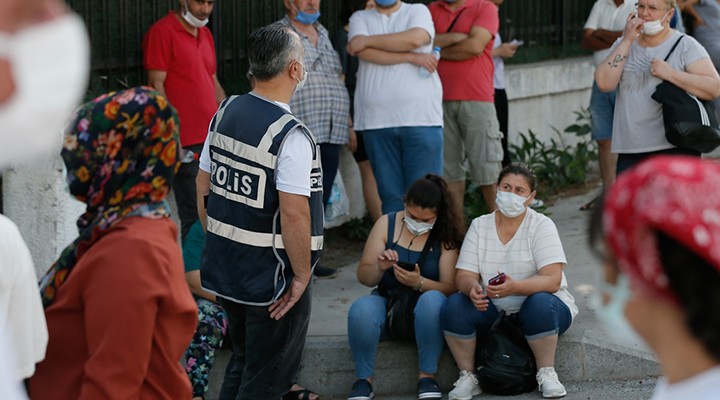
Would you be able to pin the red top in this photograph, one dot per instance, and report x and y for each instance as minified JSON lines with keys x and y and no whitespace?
{"x":122,"y":320}
{"x":190,"y":66}
{"x":470,"y":79}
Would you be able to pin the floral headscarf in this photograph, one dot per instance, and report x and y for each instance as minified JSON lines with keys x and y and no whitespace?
{"x":679,"y":196}
{"x":121,"y":152}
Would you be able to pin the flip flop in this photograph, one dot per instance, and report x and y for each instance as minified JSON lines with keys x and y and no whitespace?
{"x":590,"y":204}
{"x":302,"y":394}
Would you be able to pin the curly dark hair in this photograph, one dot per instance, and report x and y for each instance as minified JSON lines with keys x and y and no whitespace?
{"x":695,"y":282}
{"x":431,"y":191}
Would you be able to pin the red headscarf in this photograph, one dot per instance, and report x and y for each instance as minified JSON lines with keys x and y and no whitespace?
{"x":679,"y":196}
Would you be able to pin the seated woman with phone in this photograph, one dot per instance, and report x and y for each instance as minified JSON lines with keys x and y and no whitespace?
{"x":512,"y":260}
{"x":417,"y":248}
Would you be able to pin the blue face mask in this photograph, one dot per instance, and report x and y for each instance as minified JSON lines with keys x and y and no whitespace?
{"x":612,"y":314}
{"x":385,"y":3}
{"x":307,"y":19}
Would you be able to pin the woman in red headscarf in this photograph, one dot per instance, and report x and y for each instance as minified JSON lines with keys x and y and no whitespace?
{"x":118,"y":310}
{"x":659,"y":234}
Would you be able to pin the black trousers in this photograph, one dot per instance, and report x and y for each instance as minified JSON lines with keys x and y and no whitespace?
{"x":185,"y":192}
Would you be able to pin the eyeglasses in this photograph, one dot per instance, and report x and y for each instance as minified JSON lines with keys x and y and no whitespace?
{"x":649,"y":7}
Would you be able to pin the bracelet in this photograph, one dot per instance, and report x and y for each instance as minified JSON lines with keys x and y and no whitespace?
{"x":420,"y":285}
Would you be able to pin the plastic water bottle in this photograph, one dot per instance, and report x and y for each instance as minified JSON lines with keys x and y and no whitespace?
{"x":424,"y":73}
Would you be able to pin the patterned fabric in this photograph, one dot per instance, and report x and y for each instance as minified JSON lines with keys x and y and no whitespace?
{"x":121,"y":153}
{"x":200,"y":355}
{"x":679,"y":196}
{"x":323,"y":103}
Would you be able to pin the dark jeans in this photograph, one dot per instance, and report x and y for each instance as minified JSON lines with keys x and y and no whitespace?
{"x":185,"y":193}
{"x":330,"y":159}
{"x":626,"y":161}
{"x":266,"y":353}
{"x":501,"y":110}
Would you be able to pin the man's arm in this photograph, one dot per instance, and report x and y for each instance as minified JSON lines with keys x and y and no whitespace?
{"x":474,"y":45}
{"x":448,"y":39}
{"x":394,"y":42}
{"x":202,"y":187}
{"x":599,"y":39}
{"x":156,"y":80}
{"x":219,"y":91}
{"x":390,"y":58}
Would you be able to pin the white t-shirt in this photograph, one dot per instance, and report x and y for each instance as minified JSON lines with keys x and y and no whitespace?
{"x":390,"y":96}
{"x":704,"y":386}
{"x":606,"y":15}
{"x":535,"y":245}
{"x":22,"y":318}
{"x":638,"y":124}
{"x":293,"y":163}
{"x":499,"y":75}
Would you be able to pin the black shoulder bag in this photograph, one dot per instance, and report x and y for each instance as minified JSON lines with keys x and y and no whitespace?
{"x":505,"y":363}
{"x":689,"y":122}
{"x":400,"y":318}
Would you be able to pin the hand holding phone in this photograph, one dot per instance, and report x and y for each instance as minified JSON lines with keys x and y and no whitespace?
{"x":406,"y":265}
{"x":497,"y":279}
{"x":516,"y":42}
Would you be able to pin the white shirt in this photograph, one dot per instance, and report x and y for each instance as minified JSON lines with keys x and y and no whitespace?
{"x":499,"y":75}
{"x":293,"y":164}
{"x":606,"y":15}
{"x":704,"y":386}
{"x":390,"y":96}
{"x":536,"y":244}
{"x":22,"y":318}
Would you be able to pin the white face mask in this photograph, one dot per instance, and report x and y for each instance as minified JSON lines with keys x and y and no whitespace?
{"x":652,"y":28}
{"x":612,"y":315}
{"x":417,"y":228}
{"x":50,"y":64}
{"x":301,"y":82}
{"x":193,"y":20}
{"x":510,"y":204}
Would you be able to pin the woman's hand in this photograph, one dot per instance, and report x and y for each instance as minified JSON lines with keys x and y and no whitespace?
{"x":408,"y":278}
{"x":505,"y":50}
{"x":633,"y":26}
{"x":502,"y":290}
{"x":660,"y":69}
{"x":386,"y":259}
{"x":478,"y":297}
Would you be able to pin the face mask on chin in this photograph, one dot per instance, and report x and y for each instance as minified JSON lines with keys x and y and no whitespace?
{"x":385,"y":3}
{"x":50,"y":64}
{"x":612,"y":314}
{"x":510,"y":204}
{"x":193,"y":20}
{"x":652,"y":28}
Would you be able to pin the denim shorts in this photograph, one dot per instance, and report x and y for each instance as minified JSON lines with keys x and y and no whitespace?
{"x":602,"y":109}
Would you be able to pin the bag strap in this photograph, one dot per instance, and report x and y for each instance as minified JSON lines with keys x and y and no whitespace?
{"x":673,"y":48}
{"x":426,"y":248}
{"x":452,"y":24}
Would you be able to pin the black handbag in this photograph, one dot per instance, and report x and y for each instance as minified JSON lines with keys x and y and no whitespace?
{"x":505,"y":362}
{"x":690,"y":122}
{"x":400,"y":317}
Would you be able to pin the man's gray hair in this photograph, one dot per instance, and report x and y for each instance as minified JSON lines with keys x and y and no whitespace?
{"x":270,"y":49}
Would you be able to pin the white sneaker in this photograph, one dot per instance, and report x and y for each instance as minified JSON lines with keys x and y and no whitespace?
{"x":465,"y":387}
{"x":549,"y":384}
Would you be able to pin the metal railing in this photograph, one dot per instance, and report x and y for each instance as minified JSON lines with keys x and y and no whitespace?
{"x":550,"y":29}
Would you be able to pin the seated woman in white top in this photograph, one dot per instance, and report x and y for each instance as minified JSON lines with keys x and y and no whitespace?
{"x":524,"y":245}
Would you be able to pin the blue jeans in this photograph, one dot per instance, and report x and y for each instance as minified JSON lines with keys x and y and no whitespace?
{"x":541,"y":314}
{"x":400,"y":156}
{"x":266,"y":353}
{"x":602,"y":109}
{"x":366,"y":328}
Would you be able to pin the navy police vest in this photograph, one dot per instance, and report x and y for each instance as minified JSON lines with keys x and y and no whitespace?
{"x":244,"y":259}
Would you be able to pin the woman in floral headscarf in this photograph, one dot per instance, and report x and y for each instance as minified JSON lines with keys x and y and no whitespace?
{"x":118,"y":309}
{"x":658,"y":232}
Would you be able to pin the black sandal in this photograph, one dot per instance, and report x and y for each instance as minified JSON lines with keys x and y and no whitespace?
{"x":590,"y":204}
{"x":302,"y":394}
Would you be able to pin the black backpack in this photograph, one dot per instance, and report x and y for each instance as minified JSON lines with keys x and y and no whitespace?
{"x":505,"y":363}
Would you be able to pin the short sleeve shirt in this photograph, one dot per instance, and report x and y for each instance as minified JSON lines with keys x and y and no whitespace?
{"x":471,"y":79}
{"x":535,"y":245}
{"x":190,"y":66}
{"x":638,"y":124}
{"x":606,"y":15}
{"x":323,"y":103}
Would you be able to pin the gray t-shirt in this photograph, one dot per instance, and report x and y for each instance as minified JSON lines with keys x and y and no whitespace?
{"x":638,"y":125}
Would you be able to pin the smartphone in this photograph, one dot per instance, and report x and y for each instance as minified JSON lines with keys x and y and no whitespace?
{"x":517,"y":42}
{"x":497,"y":279}
{"x":406,"y":265}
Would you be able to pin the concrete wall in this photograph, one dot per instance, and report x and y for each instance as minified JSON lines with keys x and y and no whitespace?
{"x":542,"y":96}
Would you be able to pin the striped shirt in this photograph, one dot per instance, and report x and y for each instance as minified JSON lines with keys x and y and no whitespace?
{"x":323,"y":103}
